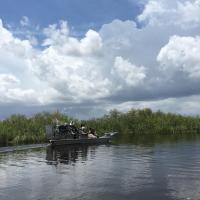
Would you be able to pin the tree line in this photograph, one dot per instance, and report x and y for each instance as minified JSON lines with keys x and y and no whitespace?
{"x":20,"y":129}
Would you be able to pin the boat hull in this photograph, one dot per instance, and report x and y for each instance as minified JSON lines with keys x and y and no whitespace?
{"x":86,"y":141}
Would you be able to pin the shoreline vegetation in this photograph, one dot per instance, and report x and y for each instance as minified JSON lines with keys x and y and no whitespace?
{"x":19,"y":129}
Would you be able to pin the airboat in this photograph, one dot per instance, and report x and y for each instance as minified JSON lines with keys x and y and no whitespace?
{"x":66,"y":134}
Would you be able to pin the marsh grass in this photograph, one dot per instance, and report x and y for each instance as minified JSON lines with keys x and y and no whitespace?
{"x":18,"y":129}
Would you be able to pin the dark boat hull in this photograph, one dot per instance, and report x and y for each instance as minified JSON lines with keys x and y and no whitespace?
{"x":86,"y":141}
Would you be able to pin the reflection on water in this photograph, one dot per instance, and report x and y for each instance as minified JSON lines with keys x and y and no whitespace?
{"x":155,"y":139}
{"x":163,"y":170}
{"x":66,"y":154}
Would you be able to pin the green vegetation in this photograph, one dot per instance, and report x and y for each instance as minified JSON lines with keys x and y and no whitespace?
{"x":146,"y":122}
{"x":18,"y":129}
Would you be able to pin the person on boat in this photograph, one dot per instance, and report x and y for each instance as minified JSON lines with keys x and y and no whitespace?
{"x":83,"y":131}
{"x":92,"y":133}
{"x":71,"y":123}
{"x":74,"y":130}
{"x":83,"y":128}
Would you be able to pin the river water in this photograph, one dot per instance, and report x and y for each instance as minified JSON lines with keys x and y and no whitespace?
{"x":167,"y":170}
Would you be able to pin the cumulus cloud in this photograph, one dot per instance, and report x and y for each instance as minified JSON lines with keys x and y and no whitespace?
{"x":183,"y":105}
{"x":58,"y":37}
{"x":25,"y":21}
{"x":127,"y":72}
{"x":189,"y":13}
{"x":8,"y":80}
{"x":120,"y":63}
{"x":71,"y":67}
{"x":182,"y":13}
{"x":17,"y":82}
{"x":10,"y":91}
{"x":153,"y":9}
{"x":181,"y":54}
{"x":80,"y":68}
{"x":68,"y":68}
{"x":167,"y":46}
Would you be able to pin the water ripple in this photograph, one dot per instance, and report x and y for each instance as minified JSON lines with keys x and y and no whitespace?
{"x":102,"y":172}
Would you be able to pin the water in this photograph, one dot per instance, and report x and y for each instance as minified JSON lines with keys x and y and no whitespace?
{"x":167,"y":170}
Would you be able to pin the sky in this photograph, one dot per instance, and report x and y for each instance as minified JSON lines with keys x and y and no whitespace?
{"x":85,"y":58}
